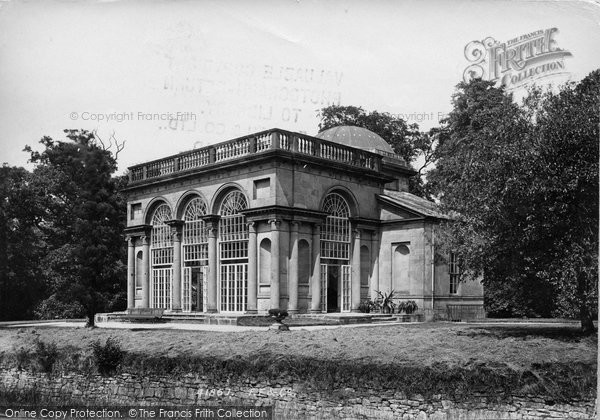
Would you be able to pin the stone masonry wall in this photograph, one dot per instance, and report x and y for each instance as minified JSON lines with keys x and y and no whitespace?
{"x":290,"y":400}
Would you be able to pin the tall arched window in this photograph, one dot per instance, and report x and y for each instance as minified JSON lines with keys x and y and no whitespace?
{"x":161,"y":247}
{"x":335,"y":234}
{"x":195,"y":242}
{"x":195,"y":257}
{"x":335,"y":255}
{"x":233,"y":252}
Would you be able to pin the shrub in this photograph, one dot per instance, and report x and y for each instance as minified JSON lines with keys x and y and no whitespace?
{"x":278,"y":314}
{"x":46,"y":355}
{"x":386,"y":301}
{"x":408,"y":307}
{"x":107,"y":357}
{"x":53,"y":308}
{"x":367,"y":306}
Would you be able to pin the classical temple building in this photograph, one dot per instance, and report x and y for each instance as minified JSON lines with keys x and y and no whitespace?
{"x":284,"y":220}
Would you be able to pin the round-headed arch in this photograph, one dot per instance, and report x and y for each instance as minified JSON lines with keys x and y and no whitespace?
{"x":331,"y":200}
{"x":191,"y":201}
{"x":157,"y":203}
{"x":228,"y":195}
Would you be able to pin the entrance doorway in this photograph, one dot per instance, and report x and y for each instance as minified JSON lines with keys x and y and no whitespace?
{"x":194,"y":290}
{"x":333,"y":279}
{"x":335,"y":288}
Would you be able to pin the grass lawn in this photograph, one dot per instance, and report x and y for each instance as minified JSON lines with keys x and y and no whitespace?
{"x":424,"y":344}
{"x":552,"y":359}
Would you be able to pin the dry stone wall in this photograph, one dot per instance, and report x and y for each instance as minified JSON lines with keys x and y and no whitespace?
{"x":290,"y":400}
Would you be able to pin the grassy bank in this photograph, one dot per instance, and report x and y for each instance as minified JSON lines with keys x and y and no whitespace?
{"x":427,"y":359}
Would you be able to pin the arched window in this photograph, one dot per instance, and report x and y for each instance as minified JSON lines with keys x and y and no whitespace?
{"x":195,"y":257}
{"x":161,"y":247}
{"x":335,"y":234}
{"x":233,"y":231}
{"x":233,"y":252}
{"x":161,"y":243}
{"x":195,"y":241}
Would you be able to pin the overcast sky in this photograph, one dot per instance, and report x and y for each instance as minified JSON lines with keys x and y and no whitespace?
{"x":228,"y":68}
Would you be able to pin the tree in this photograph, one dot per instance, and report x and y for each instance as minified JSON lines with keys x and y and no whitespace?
{"x":522,"y":184}
{"x":84,"y":222}
{"x":565,"y":193}
{"x":22,"y":244}
{"x":406,"y":140}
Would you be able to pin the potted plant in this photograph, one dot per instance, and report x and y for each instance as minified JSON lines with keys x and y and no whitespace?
{"x":410,"y":307}
{"x":366,"y":306}
{"x":385,"y":301}
{"x":401,"y":307}
{"x":278,"y":316}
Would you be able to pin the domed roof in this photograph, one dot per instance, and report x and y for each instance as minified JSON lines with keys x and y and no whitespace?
{"x":357,"y":137}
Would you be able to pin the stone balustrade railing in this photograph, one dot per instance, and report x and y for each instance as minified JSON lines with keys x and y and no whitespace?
{"x":254,"y":144}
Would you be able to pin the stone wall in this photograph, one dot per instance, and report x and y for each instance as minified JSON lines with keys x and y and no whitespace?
{"x":290,"y":400}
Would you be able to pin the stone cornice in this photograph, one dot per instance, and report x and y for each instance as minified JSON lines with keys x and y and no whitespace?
{"x":137,"y":230}
{"x":285,"y":213}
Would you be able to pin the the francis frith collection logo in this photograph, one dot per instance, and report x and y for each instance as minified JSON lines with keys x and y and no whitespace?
{"x":516,"y":62}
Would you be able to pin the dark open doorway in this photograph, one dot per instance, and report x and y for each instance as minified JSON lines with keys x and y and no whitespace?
{"x":333,"y":280}
{"x":197,"y":290}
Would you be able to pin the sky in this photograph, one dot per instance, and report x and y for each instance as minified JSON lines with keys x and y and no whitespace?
{"x":170,"y":76}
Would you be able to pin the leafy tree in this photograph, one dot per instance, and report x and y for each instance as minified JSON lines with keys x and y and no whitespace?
{"x":406,"y":140}
{"x":565,"y":194}
{"x":21,"y":244}
{"x":522,"y":184}
{"x":83,"y":225}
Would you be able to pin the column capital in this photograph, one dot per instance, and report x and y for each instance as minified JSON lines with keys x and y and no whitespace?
{"x":211,"y":219}
{"x":145,"y":239}
{"x":130,"y":239}
{"x":176,"y":229}
{"x":175,"y":223}
{"x":212,"y":224}
{"x":251,"y":226}
{"x":295,"y":225}
{"x":275,"y":223}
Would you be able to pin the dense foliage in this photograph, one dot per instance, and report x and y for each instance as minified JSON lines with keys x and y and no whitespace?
{"x":522,"y":181}
{"x":22,"y":244}
{"x":63,"y":251}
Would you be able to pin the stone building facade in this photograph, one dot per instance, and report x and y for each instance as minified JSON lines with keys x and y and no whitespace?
{"x":284,"y":220}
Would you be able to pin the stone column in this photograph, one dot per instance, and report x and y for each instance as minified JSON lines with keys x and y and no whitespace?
{"x":130,"y":272}
{"x":146,"y":271}
{"x":315,"y":280}
{"x":374,"y":285}
{"x":293,"y":271}
{"x":355,"y":280}
{"x":252,"y":265}
{"x":275,"y":224}
{"x":212,"y":226}
{"x":176,"y":228}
